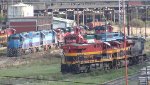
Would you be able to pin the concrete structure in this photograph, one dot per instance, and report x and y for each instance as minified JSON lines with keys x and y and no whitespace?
{"x":20,"y":10}
{"x":26,"y":24}
{"x":62,"y":23}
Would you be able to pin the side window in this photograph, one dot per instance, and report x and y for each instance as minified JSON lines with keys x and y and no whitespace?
{"x":115,"y":35}
{"x":9,"y":38}
{"x":21,"y":39}
{"x":98,"y":37}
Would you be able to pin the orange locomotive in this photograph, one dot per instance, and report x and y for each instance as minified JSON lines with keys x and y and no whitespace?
{"x":103,"y":55}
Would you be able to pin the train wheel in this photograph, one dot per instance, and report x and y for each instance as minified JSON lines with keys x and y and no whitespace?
{"x":76,"y":69}
{"x":64,"y":68}
{"x":9,"y":53}
{"x":87,"y":69}
{"x":33,"y":50}
{"x":18,"y":52}
{"x":37,"y":49}
{"x":45,"y":48}
{"x":106,"y":66}
{"x":49,"y":47}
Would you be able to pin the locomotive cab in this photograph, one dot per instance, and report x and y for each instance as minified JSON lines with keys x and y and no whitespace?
{"x":18,"y":43}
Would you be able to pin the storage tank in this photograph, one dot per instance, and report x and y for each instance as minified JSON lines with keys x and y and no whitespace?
{"x":20,"y":10}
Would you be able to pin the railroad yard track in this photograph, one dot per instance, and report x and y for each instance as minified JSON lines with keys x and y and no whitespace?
{"x":120,"y":81}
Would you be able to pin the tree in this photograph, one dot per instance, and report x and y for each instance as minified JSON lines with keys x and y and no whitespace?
{"x":137,"y":23}
{"x":1,"y":18}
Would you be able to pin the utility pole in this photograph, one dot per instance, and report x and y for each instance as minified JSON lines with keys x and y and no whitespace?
{"x":78,"y":14}
{"x":145,"y":20}
{"x":126,"y":64}
{"x":128,"y":27}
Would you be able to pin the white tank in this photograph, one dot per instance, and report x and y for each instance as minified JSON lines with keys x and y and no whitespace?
{"x":20,"y":10}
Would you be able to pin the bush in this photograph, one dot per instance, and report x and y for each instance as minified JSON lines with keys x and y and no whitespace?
{"x":137,"y":23}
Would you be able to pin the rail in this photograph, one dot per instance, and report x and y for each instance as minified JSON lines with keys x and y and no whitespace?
{"x":27,"y":78}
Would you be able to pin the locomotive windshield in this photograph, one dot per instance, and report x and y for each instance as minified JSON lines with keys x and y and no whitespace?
{"x":89,"y":36}
{"x":15,"y":38}
{"x":70,"y":39}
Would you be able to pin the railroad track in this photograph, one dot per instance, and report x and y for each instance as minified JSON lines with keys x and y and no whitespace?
{"x":120,"y":81}
{"x":42,"y":79}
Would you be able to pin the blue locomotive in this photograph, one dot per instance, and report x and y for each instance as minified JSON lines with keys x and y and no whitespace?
{"x":110,"y":36}
{"x":29,"y":42}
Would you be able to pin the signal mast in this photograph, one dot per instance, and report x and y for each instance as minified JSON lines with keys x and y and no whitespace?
{"x":122,"y":22}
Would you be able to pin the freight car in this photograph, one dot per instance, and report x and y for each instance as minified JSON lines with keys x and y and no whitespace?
{"x":79,"y":58}
{"x":29,"y":42}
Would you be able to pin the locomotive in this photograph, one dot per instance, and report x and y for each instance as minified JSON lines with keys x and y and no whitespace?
{"x":107,"y":50}
{"x":29,"y":42}
{"x":4,"y":34}
{"x":105,"y":55}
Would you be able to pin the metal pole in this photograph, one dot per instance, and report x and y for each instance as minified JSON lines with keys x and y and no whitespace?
{"x":146,"y":77}
{"x":74,"y":15}
{"x":13,"y":7}
{"x":126,"y":66}
{"x":114,"y":17}
{"x":77,"y":15}
{"x":145,"y":20}
{"x":83,"y":17}
{"x":128,"y":27}
{"x":93,"y":19}
{"x":66,"y":14}
{"x":52,"y":20}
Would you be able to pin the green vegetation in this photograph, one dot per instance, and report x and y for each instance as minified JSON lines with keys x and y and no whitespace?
{"x":137,"y":23}
{"x":51,"y":70}
{"x":3,"y":51}
{"x":2,"y":17}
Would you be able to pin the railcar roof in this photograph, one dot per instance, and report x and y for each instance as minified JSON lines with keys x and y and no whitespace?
{"x":76,"y":44}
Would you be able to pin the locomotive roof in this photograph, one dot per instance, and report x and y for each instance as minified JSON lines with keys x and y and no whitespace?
{"x":76,"y":44}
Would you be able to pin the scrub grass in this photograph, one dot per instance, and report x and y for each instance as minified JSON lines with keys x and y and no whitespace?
{"x":51,"y":71}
